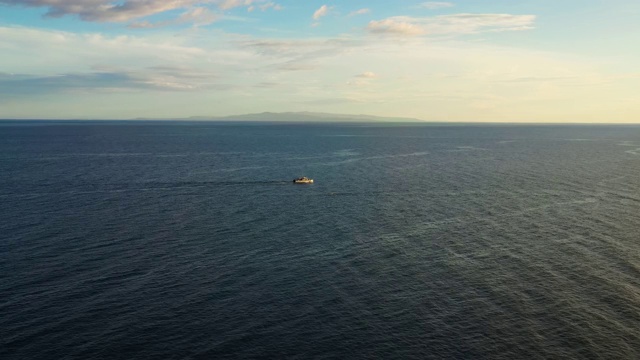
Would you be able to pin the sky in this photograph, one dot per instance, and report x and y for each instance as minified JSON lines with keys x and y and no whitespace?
{"x":461,"y":60}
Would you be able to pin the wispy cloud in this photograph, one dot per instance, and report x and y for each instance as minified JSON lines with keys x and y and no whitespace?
{"x":367,"y":75}
{"x":198,"y":16}
{"x":363,"y":79}
{"x":25,"y":84}
{"x":439,"y":78}
{"x":451,"y":24}
{"x":103,"y":63}
{"x":230,"y":4}
{"x":322,"y":11}
{"x":265,"y":7}
{"x":65,"y":51}
{"x":307,"y":49}
{"x":128,"y":10}
{"x":360,"y":12}
{"x":433,"y":5}
{"x":103,"y":10}
{"x":295,"y":65}
{"x":396,"y":26}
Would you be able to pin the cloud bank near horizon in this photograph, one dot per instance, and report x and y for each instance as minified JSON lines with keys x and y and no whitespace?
{"x":228,"y":57}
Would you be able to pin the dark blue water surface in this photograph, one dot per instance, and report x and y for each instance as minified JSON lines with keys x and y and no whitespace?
{"x":142,"y":240}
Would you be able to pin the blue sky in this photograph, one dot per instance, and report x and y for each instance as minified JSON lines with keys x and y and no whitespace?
{"x":467,"y":60}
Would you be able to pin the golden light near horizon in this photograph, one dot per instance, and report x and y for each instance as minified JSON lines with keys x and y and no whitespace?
{"x":535,"y":61}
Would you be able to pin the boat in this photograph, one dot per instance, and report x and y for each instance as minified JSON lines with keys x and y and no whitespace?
{"x":303,"y":180}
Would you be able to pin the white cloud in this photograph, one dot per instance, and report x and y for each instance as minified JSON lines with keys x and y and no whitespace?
{"x":364,"y":79}
{"x":322,"y":11}
{"x":394,"y":26}
{"x":25,"y":49}
{"x":367,"y":75}
{"x":433,"y":5}
{"x":229,"y":4}
{"x":270,"y":5}
{"x":451,"y":24}
{"x":360,"y":12}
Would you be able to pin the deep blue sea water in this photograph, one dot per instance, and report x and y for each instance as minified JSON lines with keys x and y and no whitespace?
{"x":150,"y":240}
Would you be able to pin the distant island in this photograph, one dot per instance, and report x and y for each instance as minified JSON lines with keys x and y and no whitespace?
{"x":304,"y":116}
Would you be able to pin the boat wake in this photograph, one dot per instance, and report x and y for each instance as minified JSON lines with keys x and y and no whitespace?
{"x":136,"y":187}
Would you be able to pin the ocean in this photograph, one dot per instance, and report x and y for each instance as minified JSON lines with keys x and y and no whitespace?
{"x":188,"y":240}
